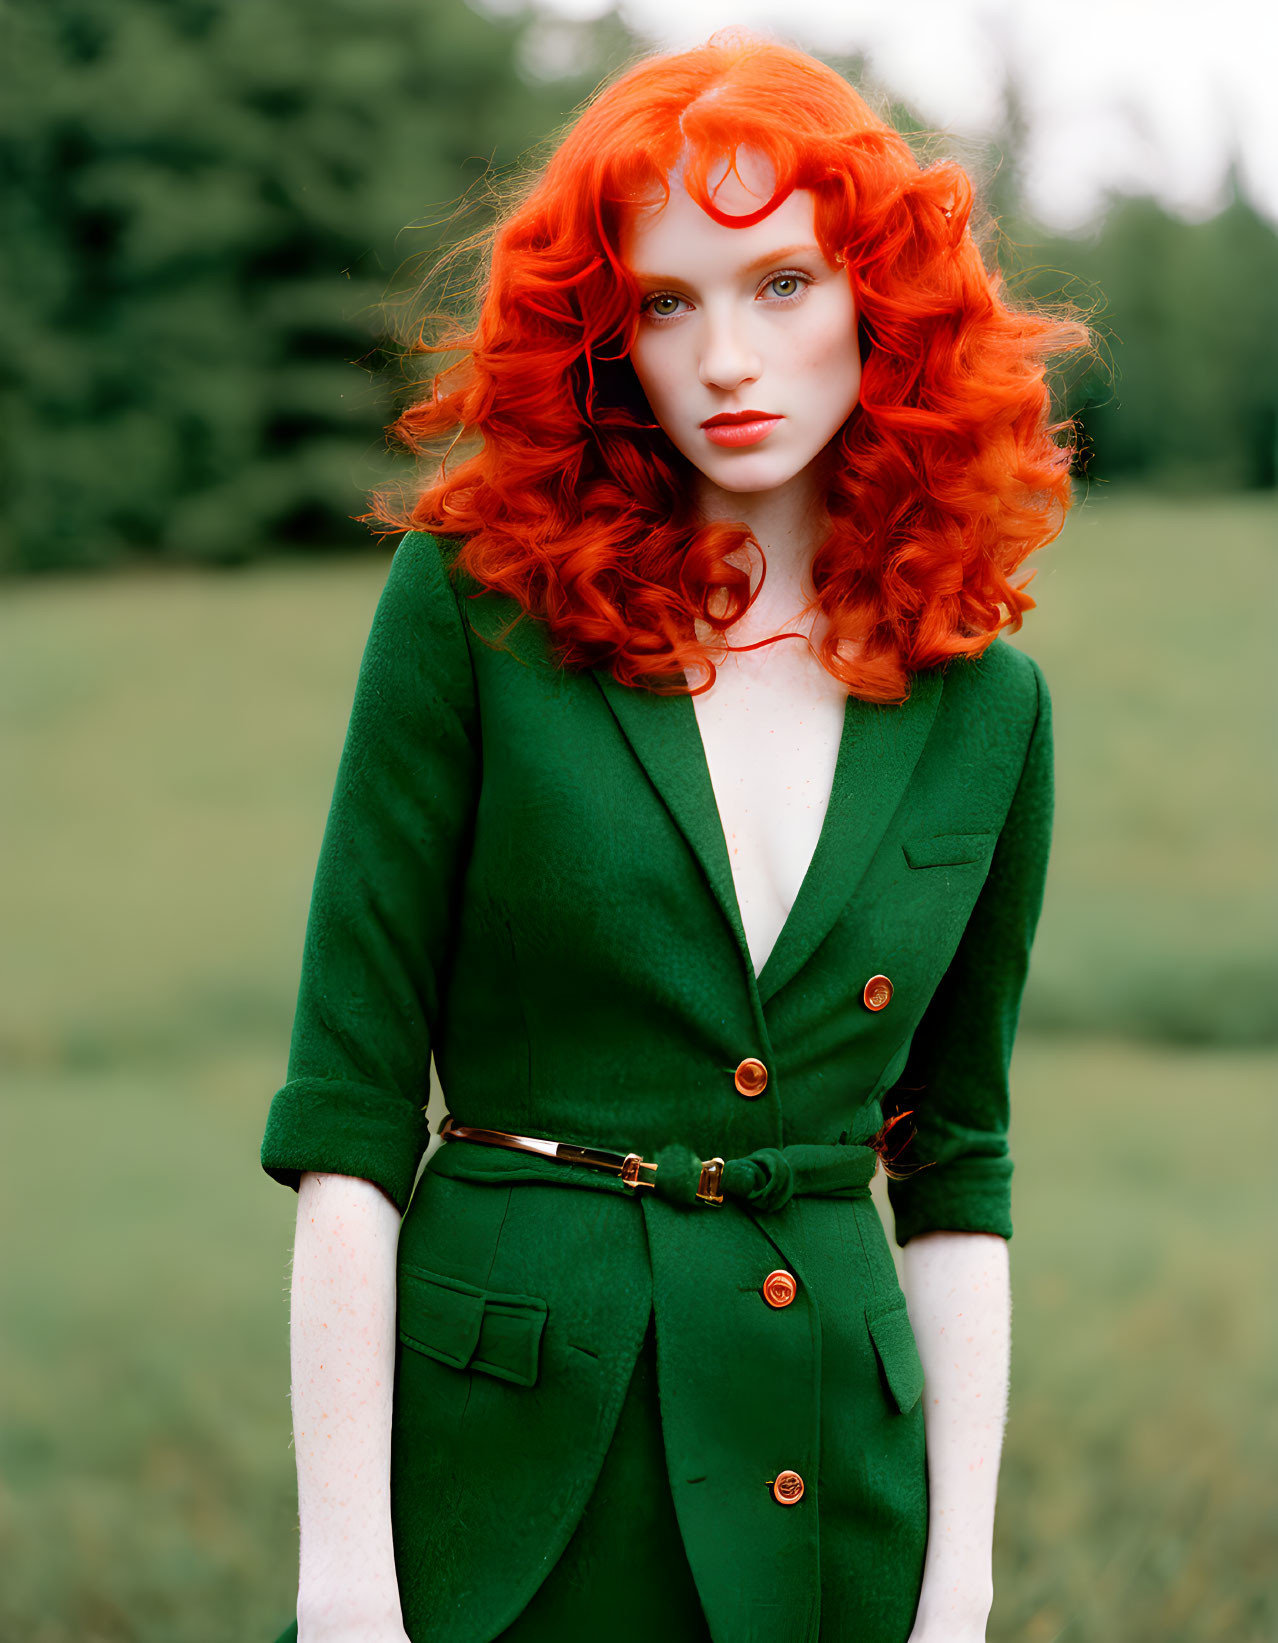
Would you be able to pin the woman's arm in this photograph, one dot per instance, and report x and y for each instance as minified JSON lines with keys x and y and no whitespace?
{"x":957,"y":1287}
{"x":349,"y":1127}
{"x":343,"y":1358}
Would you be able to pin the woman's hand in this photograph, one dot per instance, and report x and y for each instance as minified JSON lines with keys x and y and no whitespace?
{"x":953,"y":1635}
{"x":957,"y":1616}
{"x":351,"y":1626}
{"x":350,"y":1630}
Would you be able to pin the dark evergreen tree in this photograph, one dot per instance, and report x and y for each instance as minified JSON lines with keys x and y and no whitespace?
{"x":205,"y":204}
{"x":1185,"y":394}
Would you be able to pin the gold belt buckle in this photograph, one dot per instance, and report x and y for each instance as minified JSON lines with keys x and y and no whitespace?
{"x":711,"y":1181}
{"x":707,"y":1187}
{"x":628,"y":1165}
{"x":631,"y":1164}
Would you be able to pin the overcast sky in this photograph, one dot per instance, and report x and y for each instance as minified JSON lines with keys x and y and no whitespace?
{"x":1141,"y":95}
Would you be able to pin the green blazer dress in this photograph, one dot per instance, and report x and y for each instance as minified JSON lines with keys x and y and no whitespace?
{"x":524,"y":875}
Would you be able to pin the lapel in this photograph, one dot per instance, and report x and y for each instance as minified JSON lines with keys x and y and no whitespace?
{"x":662,"y":732}
{"x":878,"y":752}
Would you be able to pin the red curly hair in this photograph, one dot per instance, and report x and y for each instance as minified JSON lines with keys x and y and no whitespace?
{"x":573,"y":502}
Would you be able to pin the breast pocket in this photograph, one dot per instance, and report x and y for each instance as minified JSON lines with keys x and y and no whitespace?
{"x":467,"y":1327}
{"x":948,"y":849}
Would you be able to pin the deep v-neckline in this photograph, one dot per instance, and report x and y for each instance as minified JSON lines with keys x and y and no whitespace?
{"x":878,"y":750}
{"x":814,"y":860}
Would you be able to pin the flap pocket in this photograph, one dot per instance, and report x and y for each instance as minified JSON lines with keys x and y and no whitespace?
{"x":898,"y":1354}
{"x":471,"y":1328}
{"x":948,"y":849}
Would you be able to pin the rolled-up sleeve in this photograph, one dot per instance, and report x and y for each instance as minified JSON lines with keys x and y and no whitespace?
{"x":956,"y":1080}
{"x":385,"y":894}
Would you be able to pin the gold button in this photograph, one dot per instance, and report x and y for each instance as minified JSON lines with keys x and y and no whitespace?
{"x":878,"y":993}
{"x":780,"y":1287}
{"x":751,"y":1077}
{"x":787,"y":1487}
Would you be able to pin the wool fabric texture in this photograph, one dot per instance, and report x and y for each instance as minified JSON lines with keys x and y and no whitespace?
{"x":524,"y":875}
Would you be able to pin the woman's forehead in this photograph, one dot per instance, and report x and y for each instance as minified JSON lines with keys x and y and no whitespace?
{"x":662,"y":235}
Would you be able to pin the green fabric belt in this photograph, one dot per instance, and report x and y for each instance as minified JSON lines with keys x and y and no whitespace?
{"x":764,"y":1181}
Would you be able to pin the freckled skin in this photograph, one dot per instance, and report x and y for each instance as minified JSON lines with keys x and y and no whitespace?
{"x":342,"y":1349}
{"x":957,"y":1285}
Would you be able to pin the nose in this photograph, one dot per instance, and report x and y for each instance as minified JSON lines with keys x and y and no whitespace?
{"x":728,"y":359}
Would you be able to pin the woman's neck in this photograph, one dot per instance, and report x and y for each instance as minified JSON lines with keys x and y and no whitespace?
{"x":788,"y":523}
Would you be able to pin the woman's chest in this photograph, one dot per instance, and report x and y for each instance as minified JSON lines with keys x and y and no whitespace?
{"x":596,"y":933}
{"x":771,"y":726}
{"x":627,"y":844}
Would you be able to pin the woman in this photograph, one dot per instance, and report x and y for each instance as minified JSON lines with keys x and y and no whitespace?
{"x":696,"y":885}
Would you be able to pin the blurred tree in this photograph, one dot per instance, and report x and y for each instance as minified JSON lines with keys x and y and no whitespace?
{"x":1191,"y":314}
{"x":204,"y":202}
{"x":1184,"y":393}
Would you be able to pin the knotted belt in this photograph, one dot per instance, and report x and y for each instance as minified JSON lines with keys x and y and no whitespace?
{"x":764,"y":1180}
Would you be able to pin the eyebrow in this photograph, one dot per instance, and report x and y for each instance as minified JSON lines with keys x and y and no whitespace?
{"x":769,"y":260}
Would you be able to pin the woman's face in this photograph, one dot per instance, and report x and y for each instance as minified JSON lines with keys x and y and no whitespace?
{"x":747,"y":339}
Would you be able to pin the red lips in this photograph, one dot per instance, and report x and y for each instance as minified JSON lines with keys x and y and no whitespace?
{"x":727,"y":419}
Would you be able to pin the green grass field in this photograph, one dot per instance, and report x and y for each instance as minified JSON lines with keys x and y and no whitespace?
{"x":1155,"y":632}
{"x":169,"y":744}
